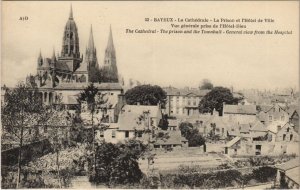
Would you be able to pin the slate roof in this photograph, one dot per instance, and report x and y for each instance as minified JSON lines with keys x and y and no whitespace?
{"x":81,"y":86}
{"x":294,"y":174}
{"x":233,"y":141}
{"x":185,"y":92}
{"x":61,"y":65}
{"x":139,"y":109}
{"x":240,"y":109}
{"x":258,"y":126}
{"x":289,"y":164}
{"x":130,"y":122}
{"x":175,"y":138}
{"x":273,"y":127}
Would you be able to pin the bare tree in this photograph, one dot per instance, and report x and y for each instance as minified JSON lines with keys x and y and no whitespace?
{"x":21,"y":112}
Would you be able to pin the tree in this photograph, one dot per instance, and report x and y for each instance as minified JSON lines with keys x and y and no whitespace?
{"x":146,"y":95}
{"x":21,"y":112}
{"x":96,"y":101}
{"x":191,"y":134}
{"x":206,"y":85}
{"x":163,"y":123}
{"x":117,"y":164}
{"x":215,"y":99}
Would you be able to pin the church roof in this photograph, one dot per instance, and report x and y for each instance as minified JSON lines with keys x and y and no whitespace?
{"x":81,"y":86}
{"x":60,"y":65}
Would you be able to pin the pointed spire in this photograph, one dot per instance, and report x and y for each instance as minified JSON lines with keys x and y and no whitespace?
{"x":91,"y":40}
{"x":40,"y":55}
{"x":110,"y":44}
{"x":71,"y":13}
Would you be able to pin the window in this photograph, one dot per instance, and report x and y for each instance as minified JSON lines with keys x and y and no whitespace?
{"x":126,"y":134}
{"x":217,"y":129}
{"x":29,"y":131}
{"x":101,"y":134}
{"x":291,"y":137}
{"x":283,"y":138}
{"x":113,"y":134}
{"x":45,"y":129}
{"x":270,"y":118}
{"x":278,"y":128}
{"x":288,"y":129}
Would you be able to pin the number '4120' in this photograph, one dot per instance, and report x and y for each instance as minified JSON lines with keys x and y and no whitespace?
{"x":23,"y":18}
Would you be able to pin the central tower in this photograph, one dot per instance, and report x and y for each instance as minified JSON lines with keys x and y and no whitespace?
{"x":70,"y":53}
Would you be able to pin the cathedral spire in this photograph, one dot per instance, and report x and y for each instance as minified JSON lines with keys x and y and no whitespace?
{"x":40,"y":59}
{"x":91,"y":45}
{"x":110,"y":43}
{"x":71,"y":13}
{"x":110,"y":63}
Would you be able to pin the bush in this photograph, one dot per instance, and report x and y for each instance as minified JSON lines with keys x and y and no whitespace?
{"x":264,"y":174}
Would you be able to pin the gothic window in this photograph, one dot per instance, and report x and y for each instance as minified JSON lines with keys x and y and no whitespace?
{"x":72,"y":47}
{"x":291,"y":137}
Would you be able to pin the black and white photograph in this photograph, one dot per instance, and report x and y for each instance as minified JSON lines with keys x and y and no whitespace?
{"x":150,"y":95}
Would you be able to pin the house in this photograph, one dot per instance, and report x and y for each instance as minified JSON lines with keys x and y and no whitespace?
{"x":133,"y":121}
{"x":183,"y":102}
{"x":288,"y":174}
{"x":240,"y":113}
{"x":269,"y":114}
{"x":217,"y":125}
{"x":255,"y":139}
{"x":293,"y":112}
{"x":174,"y":140}
{"x":282,"y":132}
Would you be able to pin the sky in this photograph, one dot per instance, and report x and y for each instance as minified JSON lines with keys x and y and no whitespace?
{"x":241,"y":61}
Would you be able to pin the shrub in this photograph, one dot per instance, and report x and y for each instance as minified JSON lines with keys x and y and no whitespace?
{"x":264,"y":174}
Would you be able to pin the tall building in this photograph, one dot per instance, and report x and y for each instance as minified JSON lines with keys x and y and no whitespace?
{"x":67,"y":74}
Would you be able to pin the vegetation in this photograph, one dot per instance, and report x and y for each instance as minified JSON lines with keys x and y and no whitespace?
{"x":22,"y":111}
{"x":146,"y":95}
{"x":191,"y":134}
{"x":206,"y":85}
{"x":215,"y":99}
{"x":117,"y":164}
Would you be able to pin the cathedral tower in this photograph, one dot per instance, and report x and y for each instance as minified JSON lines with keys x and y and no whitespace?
{"x":70,"y":53}
{"x":110,"y":63}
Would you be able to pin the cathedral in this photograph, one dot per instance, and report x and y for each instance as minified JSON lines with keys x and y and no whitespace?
{"x":70,"y":72}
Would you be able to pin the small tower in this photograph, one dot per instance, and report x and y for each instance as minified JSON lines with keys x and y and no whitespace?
{"x":110,"y":63}
{"x":40,"y":60}
{"x":53,"y":59}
